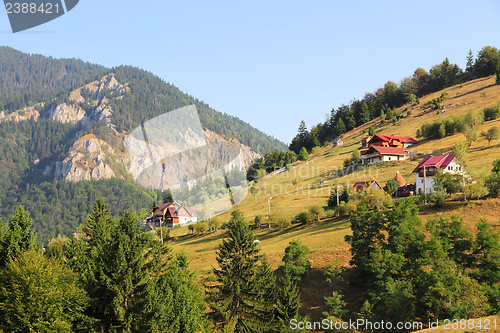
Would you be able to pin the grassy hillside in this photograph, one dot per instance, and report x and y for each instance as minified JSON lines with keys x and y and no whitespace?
{"x":309,"y":183}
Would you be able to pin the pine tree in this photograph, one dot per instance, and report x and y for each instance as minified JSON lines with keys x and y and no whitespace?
{"x":267,"y":291}
{"x":303,"y":132}
{"x":18,"y":237}
{"x":469,"y":66}
{"x":340,"y":126}
{"x":122,"y":273}
{"x":303,"y":156}
{"x":288,"y":302}
{"x":236,"y":293}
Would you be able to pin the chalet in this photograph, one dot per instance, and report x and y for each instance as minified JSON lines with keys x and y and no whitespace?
{"x":171,"y":214}
{"x":338,"y":142}
{"x":371,"y":184}
{"x":428,"y":168}
{"x":390,"y":141}
{"x":382,"y":154}
{"x":364,"y":141}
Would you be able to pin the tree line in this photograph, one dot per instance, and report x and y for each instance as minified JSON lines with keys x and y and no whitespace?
{"x":112,"y":276}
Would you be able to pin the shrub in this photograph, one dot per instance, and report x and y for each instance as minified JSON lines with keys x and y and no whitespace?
{"x":200,"y":227}
{"x":280,"y":220}
{"x":346,"y":208}
{"x":438,"y":198}
{"x":303,"y":156}
{"x":304,"y":217}
{"x":493,"y":184}
{"x":258,"y":220}
{"x":491,"y":113}
{"x":391,"y":186}
{"x":316,"y":211}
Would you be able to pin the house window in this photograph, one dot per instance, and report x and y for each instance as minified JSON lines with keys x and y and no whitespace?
{"x":422,"y":181}
{"x":389,"y":158}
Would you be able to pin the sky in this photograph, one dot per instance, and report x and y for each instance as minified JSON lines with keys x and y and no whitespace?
{"x":270,"y":63}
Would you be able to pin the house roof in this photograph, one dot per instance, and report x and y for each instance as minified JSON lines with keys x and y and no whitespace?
{"x":386,"y":150}
{"x":369,"y":183}
{"x":438,"y":161}
{"x":192,"y":211}
{"x":388,"y":138}
{"x":165,"y":205}
{"x":338,"y":139}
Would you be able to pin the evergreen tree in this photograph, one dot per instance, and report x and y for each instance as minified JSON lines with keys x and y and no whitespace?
{"x":288,"y":302}
{"x":236,"y":293}
{"x":469,"y":66}
{"x":303,"y":132}
{"x":18,"y":237}
{"x":303,"y":156}
{"x":120,"y":276}
{"x":340,"y":126}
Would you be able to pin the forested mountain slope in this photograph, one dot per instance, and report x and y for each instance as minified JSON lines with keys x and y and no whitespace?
{"x":48,"y":105}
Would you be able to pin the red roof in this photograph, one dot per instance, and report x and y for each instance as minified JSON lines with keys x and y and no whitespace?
{"x":388,"y":138}
{"x":387,"y":150}
{"x":163,"y":206}
{"x":438,"y":161}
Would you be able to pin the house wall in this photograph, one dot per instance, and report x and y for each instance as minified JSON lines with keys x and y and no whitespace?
{"x":453,"y":168}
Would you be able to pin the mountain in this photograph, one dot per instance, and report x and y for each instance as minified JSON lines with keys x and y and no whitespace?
{"x":66,"y":128}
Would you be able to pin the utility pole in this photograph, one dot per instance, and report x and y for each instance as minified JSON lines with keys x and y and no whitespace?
{"x":338,"y":203}
{"x":161,"y":230}
{"x":425,"y":185}
{"x":269,"y":211}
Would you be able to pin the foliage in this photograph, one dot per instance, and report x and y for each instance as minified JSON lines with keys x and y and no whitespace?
{"x":345,"y":208}
{"x":303,"y":156}
{"x":41,"y":295}
{"x":258,"y":220}
{"x":343,"y":196}
{"x":280,"y":220}
{"x":288,"y":302}
{"x":295,"y":260}
{"x":476,"y":190}
{"x":18,"y":237}
{"x":270,"y":162}
{"x":235,"y":294}
{"x":492,"y":112}
{"x":304,"y":217}
{"x":491,"y":134}
{"x":451,"y":183}
{"x":391,"y":186}
{"x":316,"y":211}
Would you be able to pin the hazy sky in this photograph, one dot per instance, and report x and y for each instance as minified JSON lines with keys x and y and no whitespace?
{"x":270,"y":63}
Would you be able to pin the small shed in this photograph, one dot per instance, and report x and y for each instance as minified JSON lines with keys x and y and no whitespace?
{"x":338,"y":142}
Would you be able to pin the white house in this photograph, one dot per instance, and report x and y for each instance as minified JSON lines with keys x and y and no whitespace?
{"x":338,"y":142}
{"x":382,"y":154}
{"x":429,"y":167}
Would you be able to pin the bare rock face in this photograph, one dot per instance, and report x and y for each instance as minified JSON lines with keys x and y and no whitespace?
{"x":64,"y":113}
{"x":85,"y":160}
{"x":23,"y":114}
{"x":166,"y":166}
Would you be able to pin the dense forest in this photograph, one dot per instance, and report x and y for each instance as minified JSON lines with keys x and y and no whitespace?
{"x":27,"y":79}
{"x":383,"y":102}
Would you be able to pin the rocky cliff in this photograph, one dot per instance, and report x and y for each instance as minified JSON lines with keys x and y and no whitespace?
{"x":85,"y":160}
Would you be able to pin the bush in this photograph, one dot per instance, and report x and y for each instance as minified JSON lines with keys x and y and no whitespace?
{"x":438,"y":198}
{"x":493,"y":184}
{"x":200,"y":227}
{"x":216,"y":223}
{"x":491,"y":113}
{"x":344,"y":208}
{"x":258,"y":220}
{"x":391,"y":186}
{"x":280,"y":220}
{"x":316,"y":211}
{"x":295,"y":260}
{"x":304,"y":217}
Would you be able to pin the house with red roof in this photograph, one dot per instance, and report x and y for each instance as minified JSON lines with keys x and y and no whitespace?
{"x":428,"y":168}
{"x":383,"y":154}
{"x":172,"y":213}
{"x":391,"y":141}
{"x":370,"y":184}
